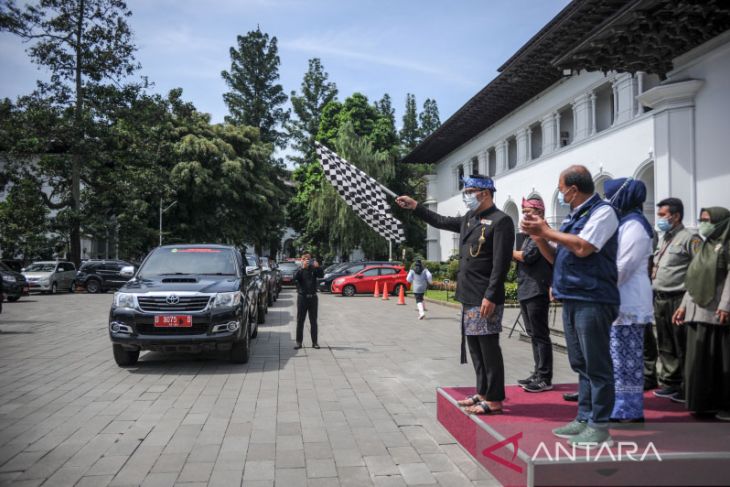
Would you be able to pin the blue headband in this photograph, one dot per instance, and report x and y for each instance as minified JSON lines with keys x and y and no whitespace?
{"x":479,"y":182}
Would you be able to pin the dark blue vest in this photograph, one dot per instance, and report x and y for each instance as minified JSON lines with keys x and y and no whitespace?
{"x":593,"y":278}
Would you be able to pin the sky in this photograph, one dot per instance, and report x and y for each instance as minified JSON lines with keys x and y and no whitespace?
{"x":446,"y":51}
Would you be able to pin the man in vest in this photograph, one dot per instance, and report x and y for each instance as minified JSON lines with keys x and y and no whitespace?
{"x":486,"y":237}
{"x":585,"y":280}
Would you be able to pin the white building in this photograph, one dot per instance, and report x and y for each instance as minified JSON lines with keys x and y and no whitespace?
{"x":593,"y":88}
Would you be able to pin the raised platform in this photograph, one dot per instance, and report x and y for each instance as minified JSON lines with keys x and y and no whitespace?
{"x":518,"y":448}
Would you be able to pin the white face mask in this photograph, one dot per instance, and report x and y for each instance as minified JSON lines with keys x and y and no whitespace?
{"x":470,"y":200}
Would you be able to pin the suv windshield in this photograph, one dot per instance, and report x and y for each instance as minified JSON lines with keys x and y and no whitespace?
{"x":288,"y":266}
{"x":5,"y":268}
{"x":41,"y":268}
{"x":166,"y":261}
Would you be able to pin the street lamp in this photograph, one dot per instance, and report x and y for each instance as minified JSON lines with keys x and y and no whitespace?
{"x":163,"y":210}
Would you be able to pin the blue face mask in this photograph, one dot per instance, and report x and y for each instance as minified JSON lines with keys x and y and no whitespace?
{"x":561,"y":199}
{"x":663,"y":225}
{"x":470,"y":200}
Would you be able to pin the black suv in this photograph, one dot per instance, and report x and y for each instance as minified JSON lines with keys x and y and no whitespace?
{"x":189,"y":298}
{"x":101,"y":275}
{"x":14,"y":283}
{"x":345,"y":269}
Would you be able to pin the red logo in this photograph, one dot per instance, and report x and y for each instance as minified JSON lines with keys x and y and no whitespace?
{"x":512,"y":440}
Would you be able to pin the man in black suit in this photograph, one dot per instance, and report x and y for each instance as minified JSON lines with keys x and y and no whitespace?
{"x":487,"y":237}
{"x":307,"y":303}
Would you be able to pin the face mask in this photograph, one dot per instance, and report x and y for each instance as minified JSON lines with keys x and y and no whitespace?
{"x":706,"y":229}
{"x":561,"y":199}
{"x":470,"y":200}
{"x":663,"y":225}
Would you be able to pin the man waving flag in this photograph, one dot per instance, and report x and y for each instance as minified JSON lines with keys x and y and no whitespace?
{"x":362,"y":193}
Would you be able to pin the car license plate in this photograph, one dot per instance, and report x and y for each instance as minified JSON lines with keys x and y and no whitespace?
{"x":176,"y":321}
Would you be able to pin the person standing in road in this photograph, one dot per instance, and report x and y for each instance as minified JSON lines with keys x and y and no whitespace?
{"x":306,"y":280}
{"x":585,"y":279}
{"x":420,"y":278}
{"x":671,"y":260}
{"x":534,"y":276}
{"x":486,"y":239}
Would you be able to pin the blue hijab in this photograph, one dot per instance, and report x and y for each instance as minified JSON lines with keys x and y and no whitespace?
{"x":627,"y":195}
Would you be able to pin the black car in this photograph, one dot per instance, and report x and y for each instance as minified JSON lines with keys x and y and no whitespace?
{"x":259,"y":282}
{"x":14,"y":283}
{"x":188,"y":298}
{"x":344,"y":269}
{"x":271,"y":275}
{"x":101,"y":275}
{"x":287,"y":270}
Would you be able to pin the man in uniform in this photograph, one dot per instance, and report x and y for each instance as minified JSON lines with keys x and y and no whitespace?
{"x":672,"y":258}
{"x":486,"y":240}
{"x":306,"y":281}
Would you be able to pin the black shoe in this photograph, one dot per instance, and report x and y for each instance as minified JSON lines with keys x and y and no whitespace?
{"x":678,"y":398}
{"x":315,"y":346}
{"x":667,"y":392}
{"x":527,"y":380}
{"x":297,"y":346}
{"x":538,"y":385}
{"x":649,"y":385}
{"x":571,"y":396}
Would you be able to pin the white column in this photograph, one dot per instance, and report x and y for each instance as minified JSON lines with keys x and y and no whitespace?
{"x":582,"y":117}
{"x":433,"y":249}
{"x":483,"y":162}
{"x":521,"y":139}
{"x":614,"y":88}
{"x":674,"y":142}
{"x":548,"y":133}
{"x":529,"y":143}
{"x":557,"y":130}
{"x":639,"y":89}
{"x":625,"y":97}
{"x":501,"y":152}
{"x":593,"y":113}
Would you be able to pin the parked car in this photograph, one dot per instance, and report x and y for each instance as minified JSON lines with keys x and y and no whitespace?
{"x":14,"y":283}
{"x":348,"y":268}
{"x":287,"y":269}
{"x":51,"y":276}
{"x":254,"y":272}
{"x":99,"y":276}
{"x":364,"y":280}
{"x":271,"y":278}
{"x":277,"y":274}
{"x":189,"y":298}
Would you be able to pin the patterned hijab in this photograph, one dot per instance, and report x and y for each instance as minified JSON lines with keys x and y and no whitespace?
{"x":702,"y":274}
{"x":627,"y":195}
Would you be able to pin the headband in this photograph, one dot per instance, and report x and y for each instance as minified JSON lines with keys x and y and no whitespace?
{"x":533,"y":203}
{"x":479,"y":182}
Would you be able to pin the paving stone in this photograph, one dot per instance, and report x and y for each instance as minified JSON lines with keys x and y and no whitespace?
{"x":416,"y":474}
{"x":324,"y":467}
{"x":381,"y":465}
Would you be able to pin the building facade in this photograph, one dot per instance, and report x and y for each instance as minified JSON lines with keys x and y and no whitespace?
{"x":667,"y":127}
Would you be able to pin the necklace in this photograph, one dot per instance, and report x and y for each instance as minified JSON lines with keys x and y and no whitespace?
{"x":482,"y":239}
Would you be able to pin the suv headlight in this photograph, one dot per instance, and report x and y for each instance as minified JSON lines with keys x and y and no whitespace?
{"x":124,"y":300}
{"x":8,"y":278}
{"x":227,"y":300}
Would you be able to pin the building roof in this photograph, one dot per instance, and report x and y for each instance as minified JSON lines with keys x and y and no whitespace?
{"x":593,"y":35}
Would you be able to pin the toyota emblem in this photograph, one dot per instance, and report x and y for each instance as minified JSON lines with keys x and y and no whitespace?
{"x":173,"y":299}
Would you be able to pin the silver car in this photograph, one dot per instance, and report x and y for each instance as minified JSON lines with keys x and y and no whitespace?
{"x":50,"y":276}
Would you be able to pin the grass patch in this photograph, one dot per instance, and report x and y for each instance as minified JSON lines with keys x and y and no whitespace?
{"x":440,"y":295}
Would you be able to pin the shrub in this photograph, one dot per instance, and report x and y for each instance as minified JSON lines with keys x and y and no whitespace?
{"x":510,"y":292}
{"x":452,"y":268}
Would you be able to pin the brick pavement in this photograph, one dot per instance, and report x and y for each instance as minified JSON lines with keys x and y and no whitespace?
{"x":360,"y":411}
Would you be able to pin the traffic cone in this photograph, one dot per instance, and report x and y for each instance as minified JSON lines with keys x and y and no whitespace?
{"x":385,"y":291}
{"x":376,"y":293}
{"x":402,"y":295}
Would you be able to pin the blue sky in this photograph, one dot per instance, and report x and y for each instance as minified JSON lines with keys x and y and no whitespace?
{"x":434,"y":49}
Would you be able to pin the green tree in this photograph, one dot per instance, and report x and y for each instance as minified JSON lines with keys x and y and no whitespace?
{"x":429,"y":118}
{"x":87,"y":46}
{"x":385,"y":107}
{"x":316,"y":92}
{"x":256,"y":99}
{"x":409,"y":133}
{"x":24,"y":221}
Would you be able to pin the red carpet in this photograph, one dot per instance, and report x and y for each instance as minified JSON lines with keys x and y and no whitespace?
{"x":673,"y":447}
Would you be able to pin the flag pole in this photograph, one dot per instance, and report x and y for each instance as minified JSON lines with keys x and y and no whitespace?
{"x":387,"y":191}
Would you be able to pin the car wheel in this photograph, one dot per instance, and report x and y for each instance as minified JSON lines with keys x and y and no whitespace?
{"x":261,"y":315}
{"x":240,"y":349}
{"x":12,"y":299}
{"x":255,"y":332}
{"x":348,"y":290}
{"x":396,"y":289}
{"x":72,"y":288}
{"x":93,"y":286}
{"x":270,"y":300}
{"x":125,"y":358}
{"x":54,"y":288}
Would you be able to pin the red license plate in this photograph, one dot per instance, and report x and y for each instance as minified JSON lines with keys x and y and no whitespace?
{"x":177,"y":321}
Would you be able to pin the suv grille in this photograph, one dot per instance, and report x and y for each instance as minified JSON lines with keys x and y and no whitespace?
{"x":185,"y":303}
{"x":149,"y":329}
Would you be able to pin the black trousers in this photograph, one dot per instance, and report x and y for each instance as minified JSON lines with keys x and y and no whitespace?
{"x":306,"y":305}
{"x":486,"y":355}
{"x":651,"y":354}
{"x":535,"y":314}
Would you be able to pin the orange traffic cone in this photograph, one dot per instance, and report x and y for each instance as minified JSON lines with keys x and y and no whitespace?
{"x":376,"y":293}
{"x":402,"y":295}
{"x":385,"y":291}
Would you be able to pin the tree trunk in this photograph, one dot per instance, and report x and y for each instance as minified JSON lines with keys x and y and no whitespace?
{"x":76,"y":159}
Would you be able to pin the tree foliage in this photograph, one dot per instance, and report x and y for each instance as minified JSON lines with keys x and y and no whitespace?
{"x":409,"y":132}
{"x":255,"y":98}
{"x":429,"y":118}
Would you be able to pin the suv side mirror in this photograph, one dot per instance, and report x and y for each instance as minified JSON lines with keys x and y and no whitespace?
{"x":252,"y":270}
{"x":127,"y":271}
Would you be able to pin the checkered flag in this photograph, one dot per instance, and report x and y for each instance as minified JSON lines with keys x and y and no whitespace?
{"x":362,"y":193}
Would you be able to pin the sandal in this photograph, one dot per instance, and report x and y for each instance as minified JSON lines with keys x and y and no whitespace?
{"x":485,"y":409}
{"x":475,"y":399}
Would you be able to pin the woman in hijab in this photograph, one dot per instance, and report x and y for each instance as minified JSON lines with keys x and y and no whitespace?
{"x":635,"y":235}
{"x":705,"y":311}
{"x":420,"y":277}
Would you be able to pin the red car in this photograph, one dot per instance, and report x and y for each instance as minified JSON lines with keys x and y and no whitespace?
{"x":364,"y":281}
